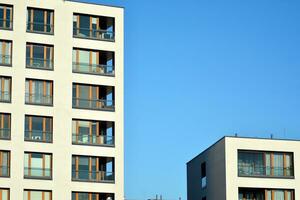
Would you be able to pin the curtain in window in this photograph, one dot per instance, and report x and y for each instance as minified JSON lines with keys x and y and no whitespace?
{"x":4,"y":194}
{"x":278,"y":195}
{"x":278,"y":164}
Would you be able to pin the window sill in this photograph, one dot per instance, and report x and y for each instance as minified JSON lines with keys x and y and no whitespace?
{"x":272,"y":177}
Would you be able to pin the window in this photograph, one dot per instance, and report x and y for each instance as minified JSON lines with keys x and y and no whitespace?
{"x":40,"y":20}
{"x":6,"y":17}
{"x":93,"y":97}
{"x":95,"y":27}
{"x":38,"y":128}
{"x":39,"y":56}
{"x":5,"y":89}
{"x":4,"y":194}
{"x":37,"y":195}
{"x":93,"y":62}
{"x":276,"y":164}
{"x":265,"y":194}
{"x":203,"y":175}
{"x":4,"y":126}
{"x":38,"y":92}
{"x":92,"y":196}
{"x":4,"y":164}
{"x":96,"y":169}
{"x":93,"y":132}
{"x":5,"y":52}
{"x":38,"y":165}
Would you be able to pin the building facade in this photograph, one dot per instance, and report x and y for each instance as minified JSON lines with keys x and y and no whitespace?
{"x":61,"y":101}
{"x":245,"y":169}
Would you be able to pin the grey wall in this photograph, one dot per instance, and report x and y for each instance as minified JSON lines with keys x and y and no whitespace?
{"x":214,"y":157}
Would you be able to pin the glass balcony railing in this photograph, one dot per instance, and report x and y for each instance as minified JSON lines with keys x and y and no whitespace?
{"x":38,"y":136}
{"x":92,"y":139}
{"x":94,"y":34}
{"x":94,"y":176}
{"x":4,"y":171}
{"x":256,"y":170}
{"x":39,"y":63}
{"x":37,"y":172}
{"x":6,"y":24}
{"x":5,"y":133}
{"x":94,"y":69}
{"x":37,"y":27}
{"x":5,"y":59}
{"x":38,"y":99}
{"x":94,"y":104}
{"x":5,"y":96}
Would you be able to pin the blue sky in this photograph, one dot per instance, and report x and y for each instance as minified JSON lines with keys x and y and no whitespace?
{"x":200,"y":69}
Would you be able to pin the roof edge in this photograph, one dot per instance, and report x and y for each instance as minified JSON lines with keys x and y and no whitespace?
{"x":98,"y":4}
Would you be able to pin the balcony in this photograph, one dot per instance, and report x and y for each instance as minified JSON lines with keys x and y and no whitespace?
{"x":93,"y":176}
{"x":94,"y":34}
{"x":38,"y":136}
{"x":38,"y":63}
{"x":93,"y":139}
{"x":94,"y":104}
{"x":4,"y":133}
{"x":95,"y":69}
{"x":38,"y":99}
{"x":37,"y":173}
{"x":5,"y":96}
{"x":254,"y":170}
{"x":4,"y":171}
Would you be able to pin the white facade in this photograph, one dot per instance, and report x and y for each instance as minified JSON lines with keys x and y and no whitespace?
{"x":61,"y":111}
{"x":230,"y":176}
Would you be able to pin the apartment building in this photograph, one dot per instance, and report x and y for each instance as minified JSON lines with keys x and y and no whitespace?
{"x":245,"y":169}
{"x":61,"y":101}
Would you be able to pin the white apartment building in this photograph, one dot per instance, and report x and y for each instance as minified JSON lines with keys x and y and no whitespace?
{"x":237,"y":168}
{"x":61,"y":101}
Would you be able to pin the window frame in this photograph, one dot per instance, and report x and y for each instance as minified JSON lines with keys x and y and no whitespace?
{"x":32,"y":190}
{"x":2,"y":52}
{"x":31,"y":56}
{"x":30,"y":10}
{"x":5,"y":6}
{"x":8,"y":163}
{"x":44,"y":125}
{"x":8,"y":193}
{"x":90,"y":195}
{"x":2,"y":122}
{"x":2,"y":79}
{"x":30,"y":83}
{"x":29,"y":176}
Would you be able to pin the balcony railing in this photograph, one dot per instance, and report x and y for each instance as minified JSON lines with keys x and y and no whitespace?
{"x":4,"y":171}
{"x":38,"y":136}
{"x":5,"y":96}
{"x":93,"y":139}
{"x":94,"y":104}
{"x":38,"y":99}
{"x":36,"y":172}
{"x":5,"y":59}
{"x":94,"y":69}
{"x":5,"y":24}
{"x":94,"y":176}
{"x":94,"y":34}
{"x":256,"y":170}
{"x":37,"y":27}
{"x":5,"y":133}
{"x":39,"y":63}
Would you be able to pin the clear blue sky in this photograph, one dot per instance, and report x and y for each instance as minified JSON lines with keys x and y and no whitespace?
{"x":200,"y":69}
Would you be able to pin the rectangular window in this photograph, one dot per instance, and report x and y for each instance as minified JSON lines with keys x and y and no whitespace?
{"x":38,"y":128}
{"x":93,"y":132}
{"x":276,"y":164}
{"x":93,"y":62}
{"x":40,"y":20}
{"x":5,"y":89}
{"x":6,"y":17}
{"x":4,"y":194}
{"x":203,"y":175}
{"x":38,"y":165}
{"x":4,"y":163}
{"x":265,"y":194}
{"x":37,"y":195}
{"x":5,"y":52}
{"x":93,"y":97}
{"x":92,"y":196}
{"x":39,"y":56}
{"x":39,"y":92}
{"x":96,"y":169}
{"x":5,"y":126}
{"x":95,"y":27}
